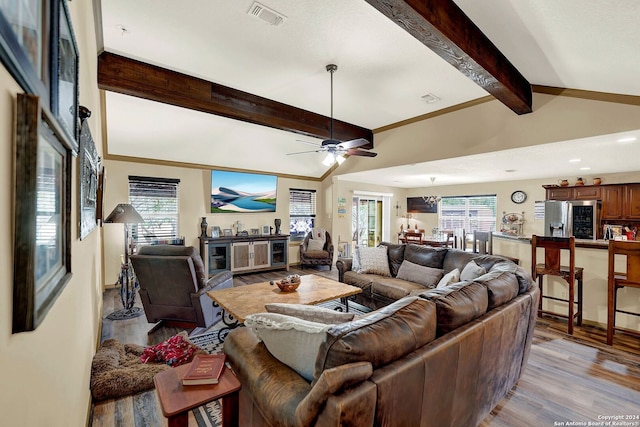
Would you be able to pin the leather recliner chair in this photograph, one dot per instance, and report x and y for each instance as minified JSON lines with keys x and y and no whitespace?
{"x":310,"y":256}
{"x":174,"y":285}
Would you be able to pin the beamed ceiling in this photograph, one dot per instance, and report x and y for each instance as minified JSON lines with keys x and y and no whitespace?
{"x":202,"y":82}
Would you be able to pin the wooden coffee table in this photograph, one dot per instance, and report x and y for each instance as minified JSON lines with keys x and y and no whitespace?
{"x":244,"y":300}
{"x":176,"y":400}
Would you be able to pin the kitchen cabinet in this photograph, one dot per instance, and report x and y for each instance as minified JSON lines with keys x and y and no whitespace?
{"x":559,"y":193}
{"x":613,"y":202}
{"x":587,"y":192}
{"x":632,"y":202}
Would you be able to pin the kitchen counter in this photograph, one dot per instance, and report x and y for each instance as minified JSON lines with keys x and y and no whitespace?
{"x":593,"y":256}
{"x":580,"y":243}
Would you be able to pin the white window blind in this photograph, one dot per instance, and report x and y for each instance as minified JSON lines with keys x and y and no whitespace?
{"x":473,"y":213}
{"x":302,"y":212}
{"x":157,"y":201}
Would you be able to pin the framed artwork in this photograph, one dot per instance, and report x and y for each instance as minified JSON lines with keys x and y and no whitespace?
{"x":216,"y":231}
{"x":255,"y":231}
{"x":42,"y":242}
{"x":227,"y":232}
{"x":24,"y":49}
{"x":88,"y":175}
{"x":418,"y":205}
{"x":100,"y":196}
{"x":66,"y":83}
{"x":38,"y":48}
{"x":266,"y":230}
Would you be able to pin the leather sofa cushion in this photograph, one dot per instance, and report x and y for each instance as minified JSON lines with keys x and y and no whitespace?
{"x":174,"y":250}
{"x":394,"y":288}
{"x":362,"y":281}
{"x":379,"y":337}
{"x":457,"y":258}
{"x":458,"y":304}
{"x":396,"y":256}
{"x":426,"y":276}
{"x":501,"y":289}
{"x":425,"y":255}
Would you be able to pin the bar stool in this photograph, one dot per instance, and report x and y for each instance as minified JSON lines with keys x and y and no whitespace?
{"x":552,"y":250}
{"x":617,"y":280}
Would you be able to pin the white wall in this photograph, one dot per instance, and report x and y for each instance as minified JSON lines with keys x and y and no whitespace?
{"x":45,"y":373}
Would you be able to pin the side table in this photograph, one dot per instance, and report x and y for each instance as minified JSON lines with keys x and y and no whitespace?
{"x":176,"y":400}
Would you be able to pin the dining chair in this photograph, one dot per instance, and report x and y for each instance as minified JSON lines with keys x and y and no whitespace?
{"x":459,"y":239}
{"x":413,"y":237}
{"x":482,"y":242}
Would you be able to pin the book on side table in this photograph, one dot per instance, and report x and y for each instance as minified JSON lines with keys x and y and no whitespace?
{"x":204,"y":369}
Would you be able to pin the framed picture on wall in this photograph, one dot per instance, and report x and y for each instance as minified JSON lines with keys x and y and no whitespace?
{"x":66,"y":82}
{"x":42,"y":241}
{"x":89,"y":163}
{"x":418,"y":205}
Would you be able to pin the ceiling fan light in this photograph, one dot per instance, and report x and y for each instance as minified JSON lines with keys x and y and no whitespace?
{"x":340,"y":159}
{"x":329,"y":159}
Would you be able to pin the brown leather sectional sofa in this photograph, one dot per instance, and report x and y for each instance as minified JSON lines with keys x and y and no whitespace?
{"x":444,"y":357}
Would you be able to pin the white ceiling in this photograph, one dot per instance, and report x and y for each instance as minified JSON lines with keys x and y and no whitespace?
{"x":382,"y":74}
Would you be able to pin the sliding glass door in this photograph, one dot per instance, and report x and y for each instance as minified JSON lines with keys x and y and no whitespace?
{"x":366,"y":221}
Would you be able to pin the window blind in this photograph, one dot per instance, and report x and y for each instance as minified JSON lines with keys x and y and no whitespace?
{"x":473,"y":213}
{"x":157,"y":201}
{"x":302,"y":212}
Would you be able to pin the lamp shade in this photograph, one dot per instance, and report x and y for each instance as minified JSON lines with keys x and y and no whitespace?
{"x":124,"y":213}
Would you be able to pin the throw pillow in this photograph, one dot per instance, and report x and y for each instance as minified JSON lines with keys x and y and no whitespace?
{"x":451,"y":277}
{"x":315,"y":245}
{"x":294,"y":342}
{"x":472,"y":271}
{"x":311,"y":313}
{"x":426,"y":276}
{"x":319,"y":234}
{"x":373,"y":260}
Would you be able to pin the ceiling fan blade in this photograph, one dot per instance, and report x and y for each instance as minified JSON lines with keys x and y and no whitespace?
{"x":362,"y":153}
{"x":315,"y":144}
{"x":303,"y":152}
{"x":354,"y":143}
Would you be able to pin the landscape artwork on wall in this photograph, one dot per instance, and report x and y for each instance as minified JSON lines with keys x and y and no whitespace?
{"x":234,"y":192}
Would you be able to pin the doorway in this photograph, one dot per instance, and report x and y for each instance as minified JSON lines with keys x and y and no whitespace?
{"x":366,"y":221}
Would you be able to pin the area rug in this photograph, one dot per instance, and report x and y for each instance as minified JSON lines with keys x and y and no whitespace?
{"x":210,"y":415}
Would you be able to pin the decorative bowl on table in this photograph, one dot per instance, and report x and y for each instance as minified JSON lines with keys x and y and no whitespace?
{"x":289,"y":283}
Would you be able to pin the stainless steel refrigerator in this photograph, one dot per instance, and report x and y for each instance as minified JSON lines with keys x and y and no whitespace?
{"x":579,"y":218}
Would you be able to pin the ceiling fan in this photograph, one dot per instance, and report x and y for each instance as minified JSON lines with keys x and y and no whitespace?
{"x":334,"y":148}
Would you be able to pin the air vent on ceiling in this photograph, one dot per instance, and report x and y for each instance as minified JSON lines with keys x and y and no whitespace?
{"x":430,"y":98}
{"x":269,"y":16}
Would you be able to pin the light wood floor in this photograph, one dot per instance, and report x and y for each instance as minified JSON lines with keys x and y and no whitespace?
{"x":568,"y":378}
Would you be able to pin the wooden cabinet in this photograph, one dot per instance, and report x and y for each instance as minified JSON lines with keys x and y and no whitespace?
{"x":587,"y":192}
{"x":632,"y":202}
{"x":244,"y":254}
{"x":613,"y":202}
{"x":559,"y":193}
{"x":250,"y":255}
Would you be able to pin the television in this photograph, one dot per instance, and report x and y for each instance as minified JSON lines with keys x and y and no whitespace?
{"x":236,"y":192}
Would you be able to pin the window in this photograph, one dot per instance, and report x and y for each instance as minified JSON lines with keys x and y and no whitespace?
{"x":473,"y":213}
{"x":302,"y":212}
{"x":156,"y":200}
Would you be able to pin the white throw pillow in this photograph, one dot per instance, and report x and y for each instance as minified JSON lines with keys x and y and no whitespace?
{"x":315,"y":245}
{"x":373,"y":260}
{"x":472,"y":271}
{"x":451,"y":277}
{"x":355,"y":265}
{"x":294,"y":342}
{"x":426,"y":276}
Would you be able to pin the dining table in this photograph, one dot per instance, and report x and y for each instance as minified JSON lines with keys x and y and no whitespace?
{"x":436,"y":240}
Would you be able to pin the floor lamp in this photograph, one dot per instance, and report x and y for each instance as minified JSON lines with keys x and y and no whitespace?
{"x":126,"y":214}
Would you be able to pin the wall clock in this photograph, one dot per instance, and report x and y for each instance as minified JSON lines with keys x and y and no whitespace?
{"x":518,"y":196}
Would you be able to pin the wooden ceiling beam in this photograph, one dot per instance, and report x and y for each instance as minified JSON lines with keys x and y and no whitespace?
{"x":445,"y":29}
{"x":135,"y":78}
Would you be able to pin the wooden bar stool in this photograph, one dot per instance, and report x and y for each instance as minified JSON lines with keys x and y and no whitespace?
{"x":552,"y":250}
{"x":617,"y":280}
